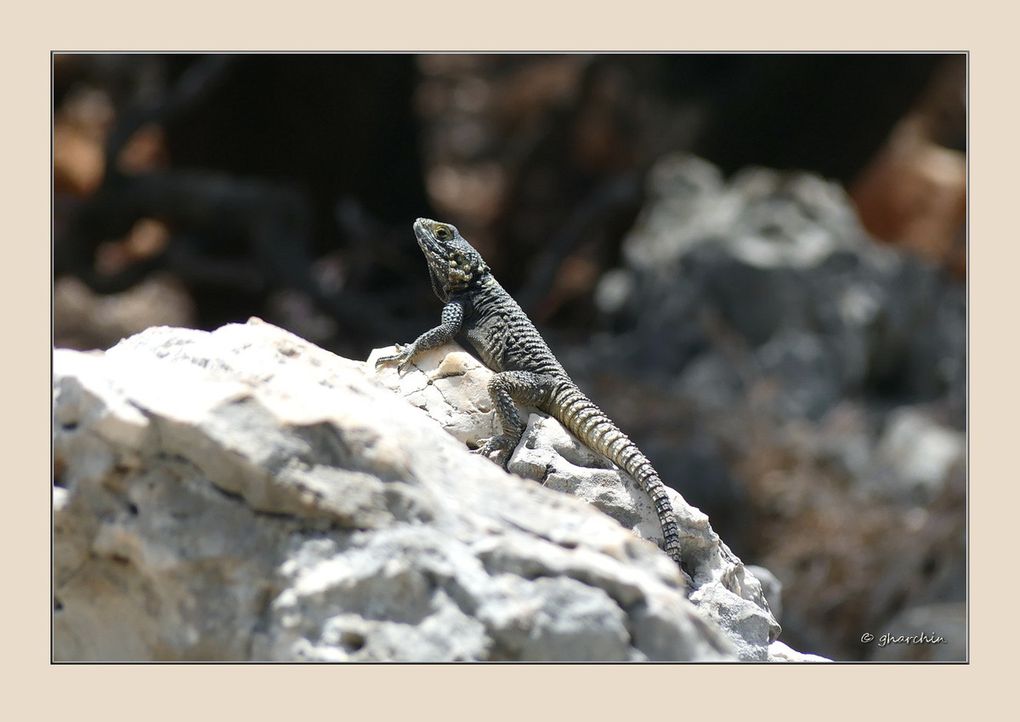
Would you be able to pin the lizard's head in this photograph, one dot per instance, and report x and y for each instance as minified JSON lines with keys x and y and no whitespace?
{"x":453,"y":264}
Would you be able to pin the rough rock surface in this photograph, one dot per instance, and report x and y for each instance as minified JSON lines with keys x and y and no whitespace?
{"x":802,"y":384}
{"x":243,"y":494}
{"x":450,"y":385}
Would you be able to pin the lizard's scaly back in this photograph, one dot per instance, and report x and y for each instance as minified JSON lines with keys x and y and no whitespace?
{"x":504,"y":336}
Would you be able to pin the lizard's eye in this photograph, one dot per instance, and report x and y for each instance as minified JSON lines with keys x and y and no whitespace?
{"x":443,"y":233}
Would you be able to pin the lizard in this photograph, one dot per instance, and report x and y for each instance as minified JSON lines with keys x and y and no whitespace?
{"x":526,"y":371}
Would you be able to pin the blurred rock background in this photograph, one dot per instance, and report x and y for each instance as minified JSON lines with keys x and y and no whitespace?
{"x":755,"y":263}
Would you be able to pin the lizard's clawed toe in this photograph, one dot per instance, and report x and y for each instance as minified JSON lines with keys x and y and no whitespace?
{"x":402,"y":358}
{"x":499,"y":444}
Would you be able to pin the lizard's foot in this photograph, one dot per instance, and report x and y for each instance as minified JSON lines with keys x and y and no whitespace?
{"x":503,"y":445}
{"x":403,"y":356}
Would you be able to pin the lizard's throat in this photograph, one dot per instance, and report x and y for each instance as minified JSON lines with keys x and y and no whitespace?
{"x":447,"y":281}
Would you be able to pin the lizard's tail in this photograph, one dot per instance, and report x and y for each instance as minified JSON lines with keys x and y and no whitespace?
{"x":594,"y":428}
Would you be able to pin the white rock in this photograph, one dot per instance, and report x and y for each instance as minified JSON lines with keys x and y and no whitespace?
{"x":771,"y":587}
{"x":779,"y":652}
{"x":243,"y":494}
{"x":725,"y":593}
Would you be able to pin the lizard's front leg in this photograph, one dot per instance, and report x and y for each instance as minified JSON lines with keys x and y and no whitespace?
{"x":451,"y":320}
{"x":504,"y":389}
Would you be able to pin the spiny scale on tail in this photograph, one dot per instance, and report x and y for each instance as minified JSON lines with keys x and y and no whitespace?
{"x":526,"y":369}
{"x":587,"y":421}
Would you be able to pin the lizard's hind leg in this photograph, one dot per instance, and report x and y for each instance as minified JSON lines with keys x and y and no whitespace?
{"x":505,"y":388}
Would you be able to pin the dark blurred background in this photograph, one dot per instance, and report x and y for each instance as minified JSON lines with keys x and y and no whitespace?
{"x":755,"y":263}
